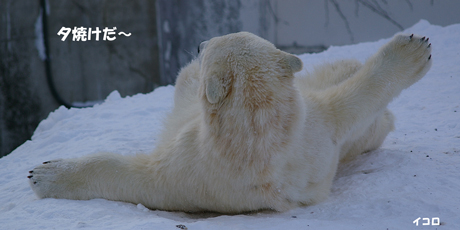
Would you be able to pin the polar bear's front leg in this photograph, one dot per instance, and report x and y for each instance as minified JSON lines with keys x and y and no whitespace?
{"x":354,"y":105}
{"x":89,"y":177}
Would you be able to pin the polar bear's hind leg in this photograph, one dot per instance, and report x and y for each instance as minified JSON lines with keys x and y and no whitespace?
{"x":328,"y":74}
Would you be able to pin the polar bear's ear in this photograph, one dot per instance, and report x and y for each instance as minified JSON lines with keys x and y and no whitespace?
{"x":294,"y":62}
{"x":215,"y":89}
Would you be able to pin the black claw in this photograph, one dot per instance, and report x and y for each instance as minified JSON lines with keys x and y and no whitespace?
{"x":429,"y":57}
{"x":29,"y":177}
{"x":427,"y":39}
{"x":411,"y":36}
{"x":422,"y":38}
{"x":429,"y":45}
{"x":31,"y":171}
{"x":46,"y":162}
{"x":35,"y":182}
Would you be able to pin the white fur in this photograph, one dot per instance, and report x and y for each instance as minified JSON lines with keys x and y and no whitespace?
{"x":246,"y":135}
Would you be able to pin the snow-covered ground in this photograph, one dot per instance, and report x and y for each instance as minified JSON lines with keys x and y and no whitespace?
{"x":416,"y":172}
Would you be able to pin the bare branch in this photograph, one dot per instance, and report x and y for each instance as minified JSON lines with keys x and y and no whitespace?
{"x":275,"y":17}
{"x":326,"y":7}
{"x":410,"y":5}
{"x":347,"y":25}
{"x":356,"y":9}
{"x":378,"y":10}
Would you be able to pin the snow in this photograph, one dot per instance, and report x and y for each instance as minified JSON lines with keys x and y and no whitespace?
{"x":414,"y":174}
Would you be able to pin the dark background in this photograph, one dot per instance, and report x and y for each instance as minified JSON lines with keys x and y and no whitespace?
{"x":164,"y":36}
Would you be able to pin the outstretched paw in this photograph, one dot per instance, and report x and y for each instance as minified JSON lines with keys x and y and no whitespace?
{"x":417,"y":47}
{"x":48,"y":179}
{"x":425,"y":46}
{"x":409,"y":56}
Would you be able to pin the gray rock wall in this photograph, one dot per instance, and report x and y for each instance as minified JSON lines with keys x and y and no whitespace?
{"x":81,"y":71}
{"x":90,"y":70}
{"x":21,"y":107}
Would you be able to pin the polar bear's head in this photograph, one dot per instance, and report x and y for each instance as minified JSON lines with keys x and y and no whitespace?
{"x":246,"y":65}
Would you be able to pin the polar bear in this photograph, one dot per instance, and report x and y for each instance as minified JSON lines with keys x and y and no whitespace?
{"x":246,"y":135}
